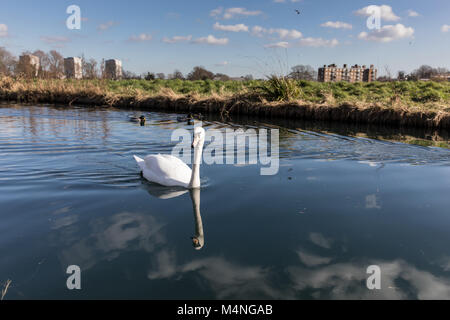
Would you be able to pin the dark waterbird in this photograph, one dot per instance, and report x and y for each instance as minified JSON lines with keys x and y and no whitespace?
{"x":141,"y":120}
{"x":190,"y":118}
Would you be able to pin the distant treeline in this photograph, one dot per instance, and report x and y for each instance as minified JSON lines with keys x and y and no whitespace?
{"x":52,"y":66}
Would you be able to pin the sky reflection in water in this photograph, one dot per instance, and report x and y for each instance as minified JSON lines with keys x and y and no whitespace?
{"x":71,"y":193}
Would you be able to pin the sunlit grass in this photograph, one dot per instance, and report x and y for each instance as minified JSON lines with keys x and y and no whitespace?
{"x":408,"y":96}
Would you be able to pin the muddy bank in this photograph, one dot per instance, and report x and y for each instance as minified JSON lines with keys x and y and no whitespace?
{"x":245,"y":105}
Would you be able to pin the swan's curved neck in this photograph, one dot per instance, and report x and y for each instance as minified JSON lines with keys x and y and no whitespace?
{"x":195,"y":177}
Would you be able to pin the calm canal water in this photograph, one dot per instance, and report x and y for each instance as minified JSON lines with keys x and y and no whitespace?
{"x":71,"y":194}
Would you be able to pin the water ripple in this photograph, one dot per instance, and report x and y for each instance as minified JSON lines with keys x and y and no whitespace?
{"x":40,"y":143}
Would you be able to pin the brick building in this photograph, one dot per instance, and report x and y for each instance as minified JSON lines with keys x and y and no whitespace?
{"x":356,"y":73}
{"x":29,"y":65}
{"x":73,"y":68}
{"x":113,"y":69}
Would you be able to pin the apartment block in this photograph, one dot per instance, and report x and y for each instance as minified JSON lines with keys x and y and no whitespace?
{"x":73,"y":68}
{"x":356,"y":73}
{"x":113,"y":69}
{"x":29,"y":65}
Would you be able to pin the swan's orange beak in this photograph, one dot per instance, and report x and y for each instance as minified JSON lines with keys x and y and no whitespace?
{"x":195,"y":242}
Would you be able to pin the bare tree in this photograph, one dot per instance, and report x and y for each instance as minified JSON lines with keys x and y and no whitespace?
{"x":221,"y":77}
{"x":7,"y":62}
{"x":90,"y":70}
{"x":176,"y":75}
{"x":200,"y":73}
{"x":387,"y":70}
{"x":303,"y":72}
{"x":128,"y":75}
{"x":161,"y":76}
{"x":55,"y":64}
{"x":44,"y":62}
{"x":102,"y":69}
{"x":25,"y":68}
{"x":441,"y":71}
{"x":149,"y":76}
{"x":424,"y":72}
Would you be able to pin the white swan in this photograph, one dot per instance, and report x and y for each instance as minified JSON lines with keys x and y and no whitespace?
{"x":171,"y":171}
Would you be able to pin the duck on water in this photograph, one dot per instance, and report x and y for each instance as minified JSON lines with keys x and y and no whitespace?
{"x":141,"y":120}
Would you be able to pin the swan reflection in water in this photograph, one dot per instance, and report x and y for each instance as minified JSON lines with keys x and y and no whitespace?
{"x":198,"y":240}
{"x":161,"y":192}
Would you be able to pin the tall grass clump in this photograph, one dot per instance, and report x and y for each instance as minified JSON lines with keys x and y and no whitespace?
{"x":281,"y":89}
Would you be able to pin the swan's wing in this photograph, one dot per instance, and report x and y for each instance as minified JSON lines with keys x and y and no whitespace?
{"x":167,"y":170}
{"x":140,"y":162}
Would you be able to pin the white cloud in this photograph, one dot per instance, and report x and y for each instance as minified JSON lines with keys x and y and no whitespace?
{"x":284,"y":1}
{"x":176,"y":39}
{"x":282,"y":33}
{"x":286,"y":34}
{"x":258,"y":31}
{"x":281,"y":44}
{"x":312,"y":260}
{"x":388,"y":33}
{"x":105,"y":26}
{"x":320,"y":240}
{"x":216,"y":12}
{"x":318,"y":42}
{"x":55,"y":40}
{"x":412,"y":13}
{"x":232,"y":28}
{"x":3,"y":30}
{"x":141,"y":38}
{"x":225,"y":279}
{"x":222,"y":64}
{"x":445,"y":28}
{"x":344,"y":281}
{"x":386,"y":12}
{"x":211,"y":40}
{"x":231,"y":13}
{"x":336,"y":25}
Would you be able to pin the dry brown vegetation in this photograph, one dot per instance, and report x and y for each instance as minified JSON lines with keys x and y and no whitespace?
{"x":401,"y":104}
{"x":5,"y":289}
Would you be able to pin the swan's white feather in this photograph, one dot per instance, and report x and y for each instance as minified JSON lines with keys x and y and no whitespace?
{"x":166,"y":170}
{"x":140,"y":162}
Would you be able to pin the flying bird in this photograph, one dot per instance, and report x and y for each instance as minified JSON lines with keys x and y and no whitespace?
{"x":298,"y":11}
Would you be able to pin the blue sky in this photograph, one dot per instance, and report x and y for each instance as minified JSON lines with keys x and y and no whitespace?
{"x":234,"y":37}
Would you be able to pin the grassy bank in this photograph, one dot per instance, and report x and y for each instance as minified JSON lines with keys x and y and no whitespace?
{"x":422,"y":104}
